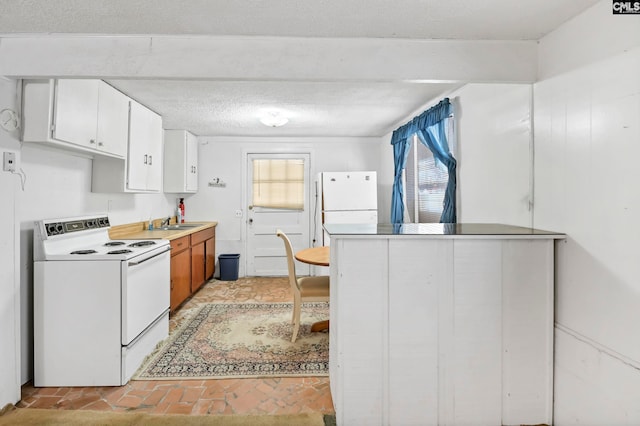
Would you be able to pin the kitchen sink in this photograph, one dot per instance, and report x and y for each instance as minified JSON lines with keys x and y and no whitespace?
{"x":177,"y":226}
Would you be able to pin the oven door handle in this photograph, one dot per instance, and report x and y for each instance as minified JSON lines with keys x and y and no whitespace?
{"x":151,"y":257}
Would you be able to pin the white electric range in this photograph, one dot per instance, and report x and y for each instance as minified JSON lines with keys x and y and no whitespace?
{"x":100,"y":305}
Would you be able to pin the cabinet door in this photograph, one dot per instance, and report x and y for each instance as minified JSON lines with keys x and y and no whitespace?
{"x":192,"y":163}
{"x":113,"y":120}
{"x":210,"y":258}
{"x":138,"y":158}
{"x":76,"y":112}
{"x":197,"y":266}
{"x":144,"y":169}
{"x":154,"y":173}
{"x":180,"y":278}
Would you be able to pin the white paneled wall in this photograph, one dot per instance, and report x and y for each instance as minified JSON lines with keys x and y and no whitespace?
{"x":494,"y":153}
{"x":587,"y":145}
{"x":9,"y":261}
{"x":452,"y":331}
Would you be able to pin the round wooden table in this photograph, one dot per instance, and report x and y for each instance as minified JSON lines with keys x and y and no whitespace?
{"x":315,"y":256}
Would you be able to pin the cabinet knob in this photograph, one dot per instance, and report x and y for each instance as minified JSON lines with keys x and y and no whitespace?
{"x":92,"y":141}
{"x":150,"y":160}
{"x":100,"y":143}
{"x":145,"y":158}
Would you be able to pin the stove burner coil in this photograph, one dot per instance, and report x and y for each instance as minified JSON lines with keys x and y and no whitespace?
{"x":123,"y":251}
{"x":114,"y":243}
{"x":142,"y":243}
{"x":83,"y":252}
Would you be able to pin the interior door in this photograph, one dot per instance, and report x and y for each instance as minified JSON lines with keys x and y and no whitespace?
{"x":266,"y":255}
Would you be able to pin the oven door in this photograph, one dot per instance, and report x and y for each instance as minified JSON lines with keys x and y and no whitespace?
{"x":145,"y":291}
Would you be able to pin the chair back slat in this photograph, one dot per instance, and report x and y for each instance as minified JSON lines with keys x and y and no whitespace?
{"x":291,"y":265}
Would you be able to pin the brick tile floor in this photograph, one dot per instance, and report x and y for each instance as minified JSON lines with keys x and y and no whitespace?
{"x":197,"y":397}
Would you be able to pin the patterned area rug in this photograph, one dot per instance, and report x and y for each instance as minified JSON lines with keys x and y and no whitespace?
{"x":246,"y":340}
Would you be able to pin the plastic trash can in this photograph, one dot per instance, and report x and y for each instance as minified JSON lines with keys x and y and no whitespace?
{"x":229,"y":266}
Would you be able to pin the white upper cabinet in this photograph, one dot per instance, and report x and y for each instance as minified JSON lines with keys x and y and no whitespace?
{"x":145,"y":149}
{"x":180,"y":161}
{"x":113,"y":120}
{"x":142,"y":170}
{"x":82,"y":115}
{"x":76,"y":112}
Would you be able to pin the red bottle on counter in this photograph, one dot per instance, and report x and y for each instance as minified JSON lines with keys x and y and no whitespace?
{"x":181,"y":207}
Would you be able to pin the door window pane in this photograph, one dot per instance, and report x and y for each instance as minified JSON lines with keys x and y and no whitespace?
{"x":278,"y":183}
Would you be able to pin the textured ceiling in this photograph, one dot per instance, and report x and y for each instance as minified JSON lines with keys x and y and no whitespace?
{"x":313,"y":108}
{"x":419,"y":19}
{"x":337,"y":107}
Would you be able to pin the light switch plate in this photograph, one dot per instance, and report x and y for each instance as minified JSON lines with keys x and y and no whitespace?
{"x":9,"y":161}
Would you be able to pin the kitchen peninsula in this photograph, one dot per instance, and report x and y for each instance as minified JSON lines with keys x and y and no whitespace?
{"x":437,"y":324}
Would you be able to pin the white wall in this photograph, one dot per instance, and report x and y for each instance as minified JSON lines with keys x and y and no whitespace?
{"x":587,"y":145}
{"x":221,"y":157}
{"x":9,"y":262}
{"x":494,"y":153}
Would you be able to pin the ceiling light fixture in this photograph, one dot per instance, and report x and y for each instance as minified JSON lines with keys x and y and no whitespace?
{"x":274,"y":119}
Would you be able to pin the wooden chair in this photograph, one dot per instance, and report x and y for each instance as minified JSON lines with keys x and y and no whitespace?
{"x":305,"y":289}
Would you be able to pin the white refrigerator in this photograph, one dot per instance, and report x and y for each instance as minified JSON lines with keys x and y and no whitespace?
{"x":345,"y":197}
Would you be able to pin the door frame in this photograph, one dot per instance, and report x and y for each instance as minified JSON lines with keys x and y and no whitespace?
{"x":297,"y":149}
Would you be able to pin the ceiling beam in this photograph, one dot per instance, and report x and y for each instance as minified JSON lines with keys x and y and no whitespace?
{"x":268,"y":58}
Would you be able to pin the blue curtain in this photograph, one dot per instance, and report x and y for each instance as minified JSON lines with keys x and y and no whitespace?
{"x":430,"y":127}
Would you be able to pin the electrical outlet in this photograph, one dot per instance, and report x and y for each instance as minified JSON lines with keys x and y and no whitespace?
{"x":238,"y":213}
{"x":9,"y":161}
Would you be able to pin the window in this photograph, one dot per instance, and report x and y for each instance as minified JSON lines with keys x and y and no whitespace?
{"x":278,"y":183}
{"x":426,"y":184}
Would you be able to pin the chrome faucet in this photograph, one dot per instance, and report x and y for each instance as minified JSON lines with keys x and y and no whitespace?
{"x":165,"y":222}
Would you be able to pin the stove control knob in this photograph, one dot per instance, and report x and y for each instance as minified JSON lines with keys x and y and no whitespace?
{"x":51,"y":229}
{"x":54,"y":229}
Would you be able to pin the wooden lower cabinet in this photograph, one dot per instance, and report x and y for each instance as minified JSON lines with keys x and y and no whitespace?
{"x":209,"y":258}
{"x":192,"y":264}
{"x":202,"y":255}
{"x":197,"y":266}
{"x":180,"y":271}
